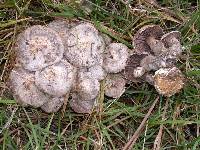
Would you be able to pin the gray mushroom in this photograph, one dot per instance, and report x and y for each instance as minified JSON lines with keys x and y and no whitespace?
{"x":153,"y":51}
{"x":87,"y":87}
{"x":168,"y":81}
{"x":115,"y":85}
{"x":81,"y":106}
{"x":53,"y":104}
{"x":146,"y":40}
{"x":57,"y":79}
{"x":115,"y":57}
{"x":25,"y":92}
{"x":38,"y":47}
{"x":85,"y":46}
{"x":133,"y":69}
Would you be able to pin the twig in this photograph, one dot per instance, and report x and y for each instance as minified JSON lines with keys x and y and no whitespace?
{"x":135,"y":136}
{"x":157,"y":142}
{"x":66,"y":97}
{"x":7,"y":125}
{"x":101,"y":97}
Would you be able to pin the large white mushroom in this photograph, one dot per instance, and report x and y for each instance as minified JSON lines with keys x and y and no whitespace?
{"x":38,"y":47}
{"x":84,"y":46}
{"x":57,"y":79}
{"x":25,"y":92}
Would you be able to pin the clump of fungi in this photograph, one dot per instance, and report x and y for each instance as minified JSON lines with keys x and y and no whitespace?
{"x":69,"y":59}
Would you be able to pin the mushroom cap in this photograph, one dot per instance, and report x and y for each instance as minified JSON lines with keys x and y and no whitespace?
{"x":85,"y":46}
{"x":57,"y":79}
{"x":168,"y":81}
{"x":38,"y":47}
{"x":140,"y":38}
{"x":115,"y":57}
{"x":115,"y":85}
{"x":25,"y":92}
{"x":133,"y":69}
{"x":87,"y":87}
{"x":96,"y":72}
{"x":80,"y":106}
{"x":62,"y":27}
{"x":150,"y":62}
{"x":171,"y":40}
{"x":53,"y":105}
{"x":168,"y":38}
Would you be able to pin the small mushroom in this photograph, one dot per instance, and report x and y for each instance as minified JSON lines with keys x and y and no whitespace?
{"x":133,"y":70}
{"x":25,"y":92}
{"x":115,"y":85}
{"x":171,"y":40}
{"x":168,"y":81}
{"x":53,"y":104}
{"x":85,"y":46}
{"x":147,"y":38}
{"x":81,"y":106}
{"x":115,"y":57}
{"x":96,"y":72}
{"x":57,"y":79}
{"x":38,"y":47}
{"x":87,"y":87}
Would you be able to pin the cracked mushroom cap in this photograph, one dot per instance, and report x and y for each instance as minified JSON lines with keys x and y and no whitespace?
{"x":171,"y":40}
{"x":80,"y":106}
{"x":57,"y":79}
{"x":115,"y":85}
{"x":115,"y":57}
{"x":146,"y":33}
{"x":53,"y":105}
{"x":85,"y":46}
{"x":25,"y":92}
{"x":168,"y":81}
{"x":38,"y":47}
{"x":87,"y":87}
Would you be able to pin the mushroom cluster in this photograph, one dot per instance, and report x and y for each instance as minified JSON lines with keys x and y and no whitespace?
{"x":61,"y":60}
{"x":69,"y":59}
{"x":154,"y":59}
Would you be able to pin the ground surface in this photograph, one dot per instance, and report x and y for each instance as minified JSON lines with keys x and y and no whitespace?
{"x":27,"y":128}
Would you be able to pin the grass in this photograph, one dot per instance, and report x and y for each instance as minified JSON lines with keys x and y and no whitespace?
{"x":29,"y":128}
